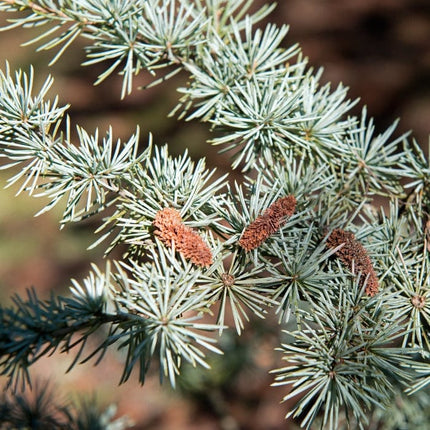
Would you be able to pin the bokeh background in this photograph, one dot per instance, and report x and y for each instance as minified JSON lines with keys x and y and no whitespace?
{"x":380,"y":49}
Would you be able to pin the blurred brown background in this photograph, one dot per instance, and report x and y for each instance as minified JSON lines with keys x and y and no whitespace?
{"x":378,"y":48}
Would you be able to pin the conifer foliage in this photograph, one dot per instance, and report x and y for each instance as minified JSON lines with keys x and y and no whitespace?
{"x":301,"y":237}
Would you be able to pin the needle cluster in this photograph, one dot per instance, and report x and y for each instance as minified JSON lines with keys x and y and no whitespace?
{"x":201,"y":253}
